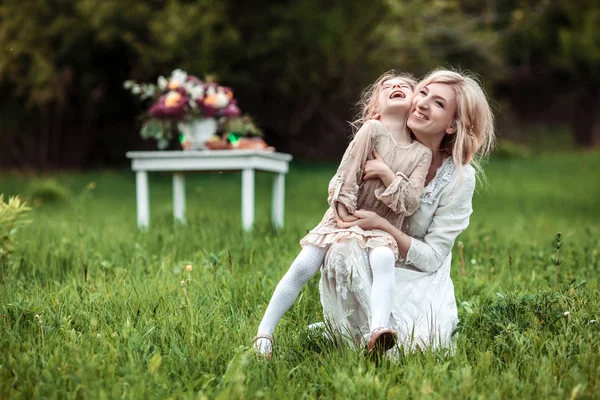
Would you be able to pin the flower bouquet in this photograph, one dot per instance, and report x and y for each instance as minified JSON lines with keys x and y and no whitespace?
{"x":184,"y":103}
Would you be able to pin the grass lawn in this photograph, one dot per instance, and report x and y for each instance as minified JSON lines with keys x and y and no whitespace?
{"x":92,"y":308}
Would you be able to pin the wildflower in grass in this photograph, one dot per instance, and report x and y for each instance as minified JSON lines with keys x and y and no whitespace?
{"x":92,"y":185}
{"x":188,"y":268}
{"x":473,"y":261}
{"x":566,"y":314}
{"x":556,"y":260}
{"x":182,"y":283}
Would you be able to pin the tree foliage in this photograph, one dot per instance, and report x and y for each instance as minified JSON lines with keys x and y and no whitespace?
{"x":297,"y":66}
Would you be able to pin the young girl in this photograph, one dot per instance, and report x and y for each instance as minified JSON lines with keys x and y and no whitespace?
{"x":382,"y":145}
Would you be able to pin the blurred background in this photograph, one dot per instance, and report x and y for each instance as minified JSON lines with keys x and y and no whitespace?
{"x":296,"y":66}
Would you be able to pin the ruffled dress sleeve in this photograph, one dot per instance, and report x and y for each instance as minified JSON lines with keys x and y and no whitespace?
{"x":449,"y":220}
{"x":343,"y":187}
{"x":404,"y":193}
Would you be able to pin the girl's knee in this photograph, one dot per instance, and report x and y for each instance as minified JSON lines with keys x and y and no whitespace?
{"x":382,"y":252}
{"x":307,"y":264}
{"x":382,"y":259}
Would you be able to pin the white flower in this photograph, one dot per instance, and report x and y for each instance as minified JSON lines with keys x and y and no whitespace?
{"x":566,"y":314}
{"x":179,"y":76}
{"x":473,"y":261}
{"x":162,"y":82}
{"x":221,"y":99}
{"x":195,"y":91}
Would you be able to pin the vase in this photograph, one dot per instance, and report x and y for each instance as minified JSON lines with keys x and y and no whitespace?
{"x":197,"y":132}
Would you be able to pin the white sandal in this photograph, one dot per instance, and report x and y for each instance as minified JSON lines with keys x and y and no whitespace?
{"x":269,"y":354}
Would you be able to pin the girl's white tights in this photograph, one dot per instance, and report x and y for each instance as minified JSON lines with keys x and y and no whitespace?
{"x":305,"y":266}
{"x":384,"y":286}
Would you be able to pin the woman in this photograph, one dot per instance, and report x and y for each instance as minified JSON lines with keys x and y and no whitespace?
{"x":383,"y":135}
{"x":451,"y":115}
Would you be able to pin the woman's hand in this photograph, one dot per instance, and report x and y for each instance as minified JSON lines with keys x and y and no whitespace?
{"x":365,"y":220}
{"x":376,"y":169}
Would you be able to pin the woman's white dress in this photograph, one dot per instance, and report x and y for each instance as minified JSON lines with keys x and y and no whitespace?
{"x":424,"y":311}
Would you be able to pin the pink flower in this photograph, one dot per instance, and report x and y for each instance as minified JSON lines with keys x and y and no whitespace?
{"x":228,"y":91}
{"x":231,"y":110}
{"x":171,"y":105}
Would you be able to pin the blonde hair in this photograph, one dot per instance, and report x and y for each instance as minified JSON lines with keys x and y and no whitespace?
{"x":474,"y":121}
{"x":366,"y":107}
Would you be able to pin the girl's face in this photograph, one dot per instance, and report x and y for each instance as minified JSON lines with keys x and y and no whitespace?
{"x":433,"y":110}
{"x":395,"y":95}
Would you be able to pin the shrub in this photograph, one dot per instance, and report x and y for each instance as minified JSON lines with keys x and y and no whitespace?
{"x":47,"y":191}
{"x":12,"y":216}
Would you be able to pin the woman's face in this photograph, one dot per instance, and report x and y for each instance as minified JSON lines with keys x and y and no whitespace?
{"x":395,"y":95}
{"x":433,"y":110}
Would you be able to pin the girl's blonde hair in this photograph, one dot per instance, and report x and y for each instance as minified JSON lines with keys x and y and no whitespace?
{"x":474,"y":121}
{"x":367,"y":107}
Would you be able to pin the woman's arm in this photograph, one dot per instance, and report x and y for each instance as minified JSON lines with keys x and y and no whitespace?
{"x":370,"y":220}
{"x":449,"y":220}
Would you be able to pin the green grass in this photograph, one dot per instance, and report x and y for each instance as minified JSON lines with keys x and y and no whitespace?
{"x":92,"y":308}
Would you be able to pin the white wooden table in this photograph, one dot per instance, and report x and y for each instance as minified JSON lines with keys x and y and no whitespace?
{"x":179,"y":162}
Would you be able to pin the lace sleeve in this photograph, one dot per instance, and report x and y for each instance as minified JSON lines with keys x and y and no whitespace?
{"x":343,"y":187}
{"x":449,"y":220}
{"x":403,"y":194}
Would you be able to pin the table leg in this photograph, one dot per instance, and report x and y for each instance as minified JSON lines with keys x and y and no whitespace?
{"x":142,"y":199}
{"x":277,"y":205}
{"x":247,"y":198}
{"x":179,"y":196}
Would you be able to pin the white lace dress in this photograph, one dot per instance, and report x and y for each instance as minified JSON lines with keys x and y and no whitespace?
{"x":424,"y":313}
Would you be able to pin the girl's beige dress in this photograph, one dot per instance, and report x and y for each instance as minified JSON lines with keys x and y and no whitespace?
{"x":399,"y":199}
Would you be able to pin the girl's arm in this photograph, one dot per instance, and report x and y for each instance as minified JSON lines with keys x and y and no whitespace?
{"x":377,"y":168}
{"x":343,"y":187}
{"x":403,"y":194}
{"x":449,"y":220}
